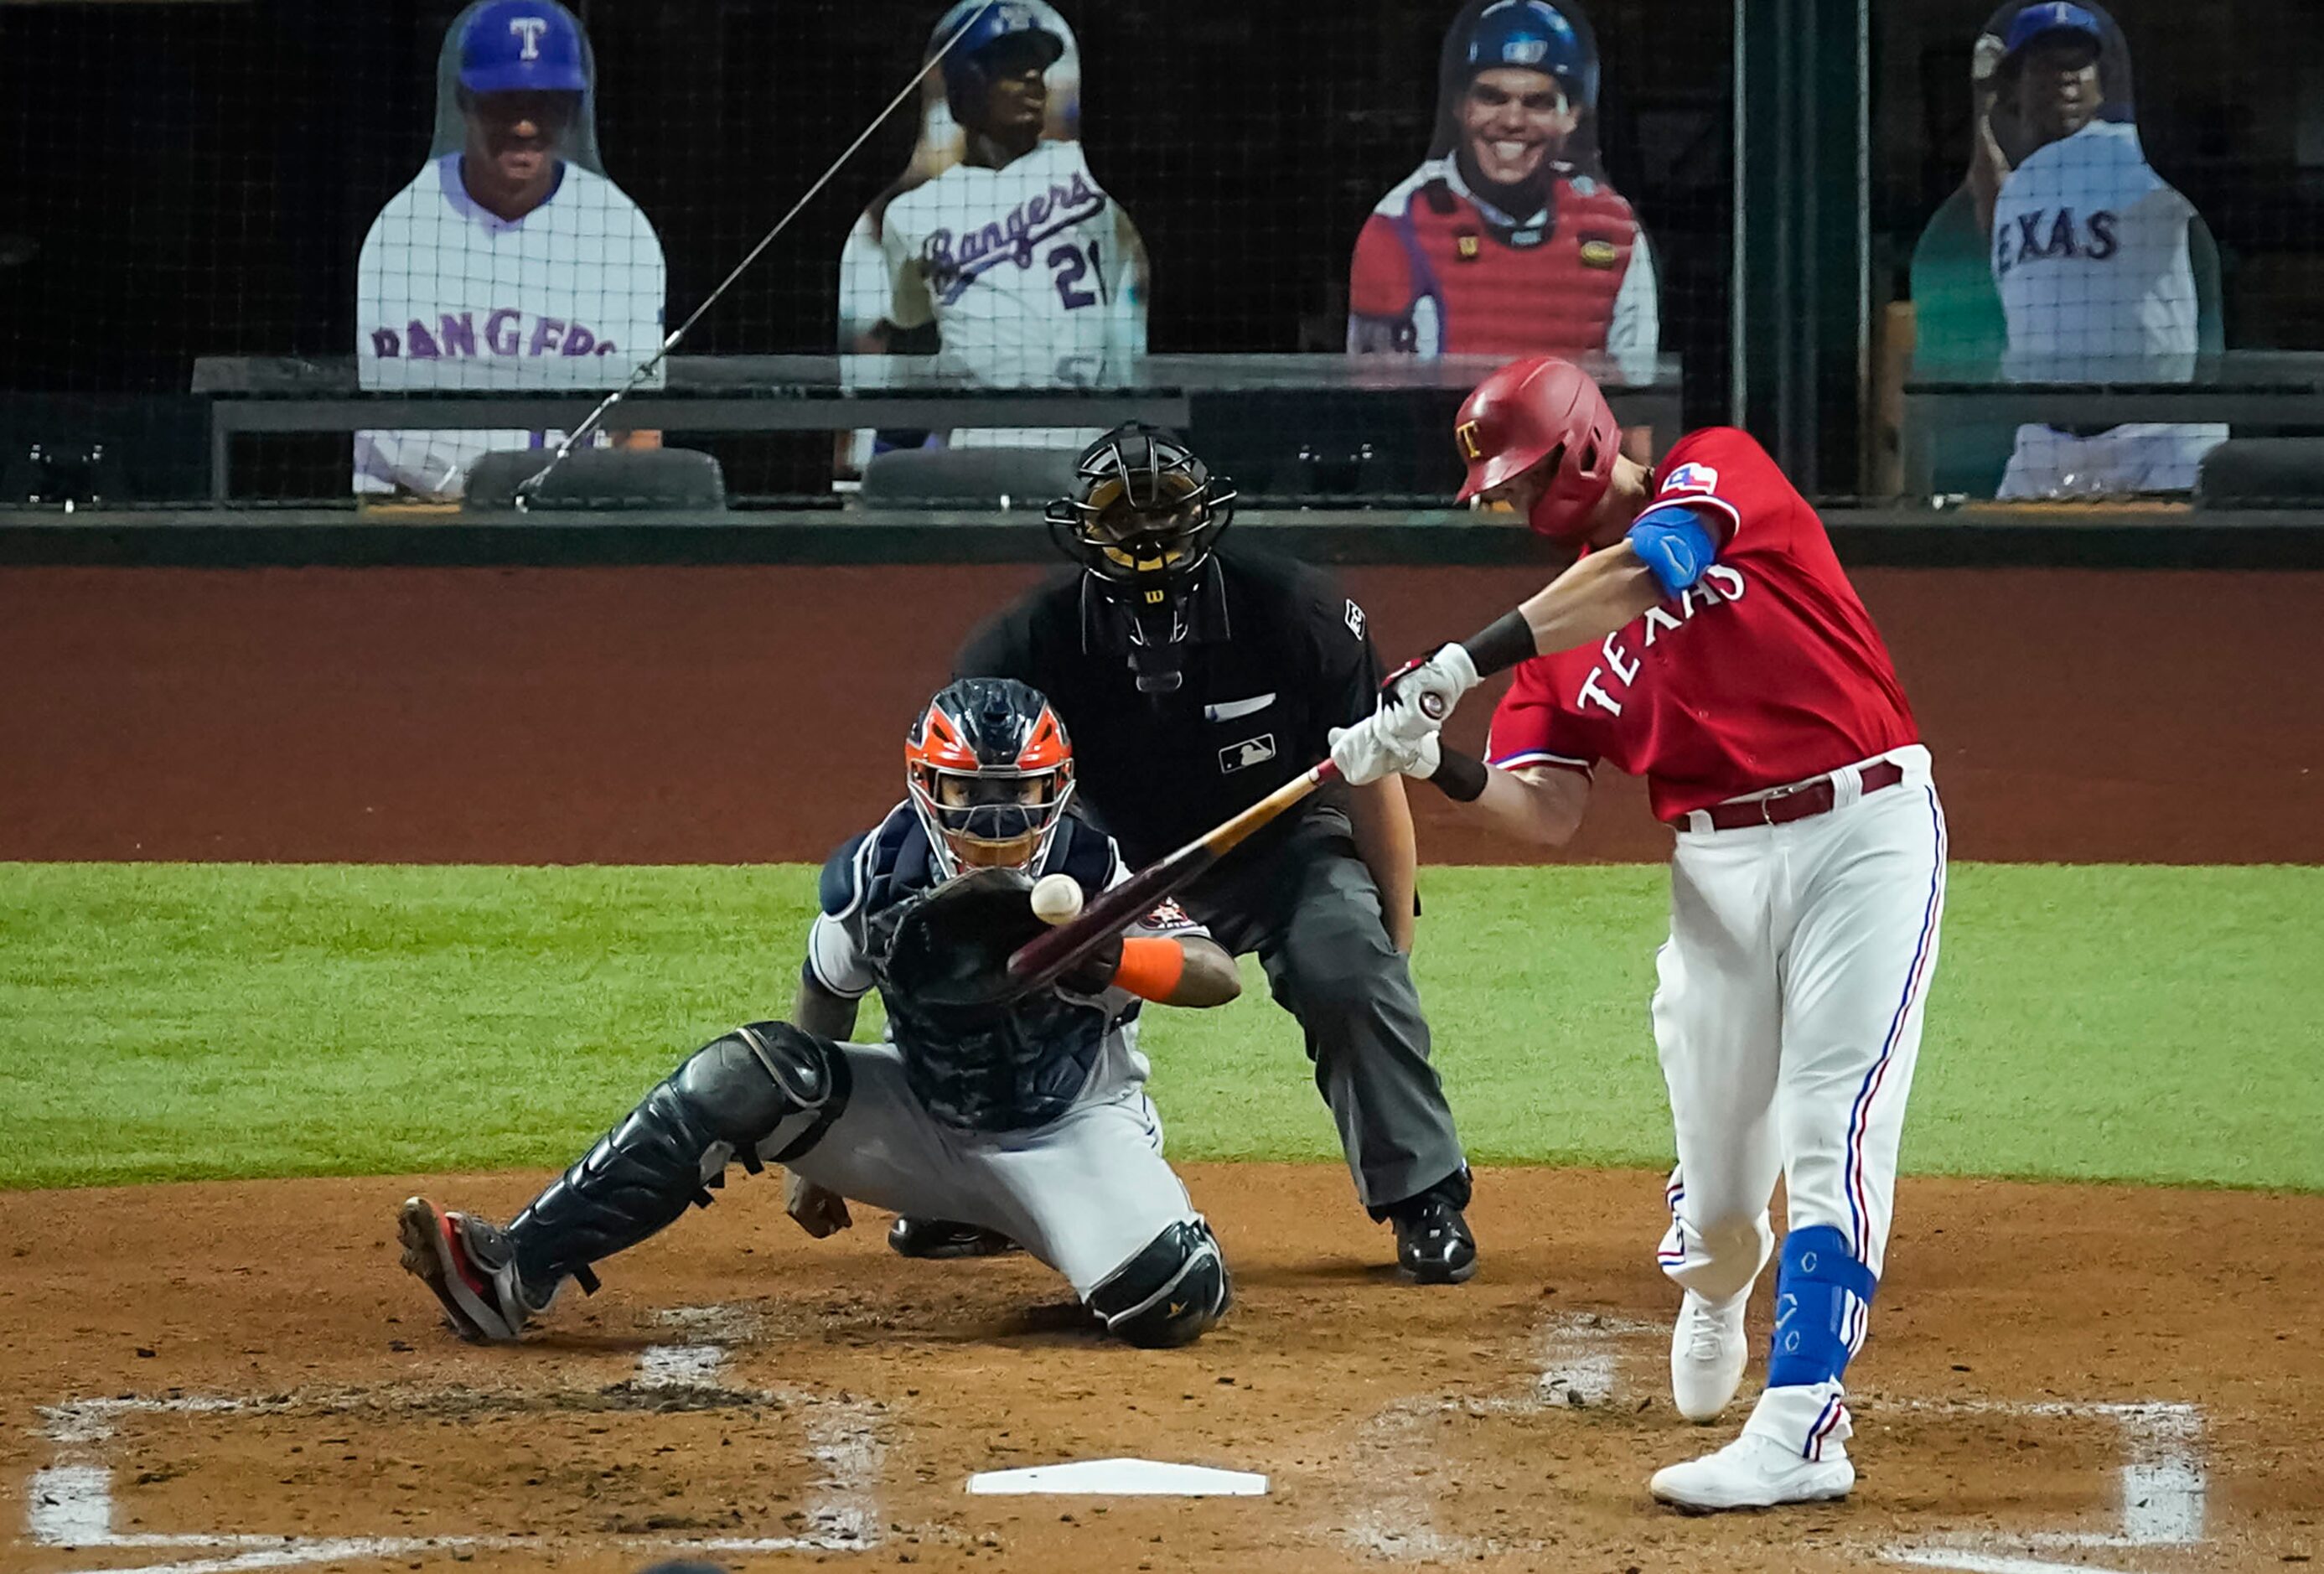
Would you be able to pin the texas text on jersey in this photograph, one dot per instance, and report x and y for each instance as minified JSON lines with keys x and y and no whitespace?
{"x":1768,"y":671}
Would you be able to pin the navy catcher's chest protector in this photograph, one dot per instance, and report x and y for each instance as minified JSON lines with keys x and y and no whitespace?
{"x":980,"y":1070}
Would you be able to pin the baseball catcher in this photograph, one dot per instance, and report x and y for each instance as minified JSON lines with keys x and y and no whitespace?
{"x":1024,"y":1115}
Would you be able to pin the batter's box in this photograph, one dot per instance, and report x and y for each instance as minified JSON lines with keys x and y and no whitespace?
{"x":2160,"y":1488}
{"x":667,"y":1464}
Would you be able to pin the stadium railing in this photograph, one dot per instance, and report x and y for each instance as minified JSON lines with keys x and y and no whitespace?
{"x":1362,"y":430}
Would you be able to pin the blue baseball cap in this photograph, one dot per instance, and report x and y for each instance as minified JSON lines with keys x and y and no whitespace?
{"x":2051,"y":16}
{"x":1536,"y":36}
{"x":513,"y":46}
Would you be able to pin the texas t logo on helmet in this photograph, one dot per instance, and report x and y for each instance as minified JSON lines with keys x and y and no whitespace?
{"x":1547,"y":413}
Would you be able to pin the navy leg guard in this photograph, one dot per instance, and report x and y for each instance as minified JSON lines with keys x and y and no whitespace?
{"x":766,"y":1087}
{"x":1814,"y":1277}
{"x":1169,"y":1292}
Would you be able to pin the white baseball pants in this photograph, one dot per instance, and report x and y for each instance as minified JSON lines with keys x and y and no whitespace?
{"x":1788,"y":1018}
{"x":1085,"y":1193}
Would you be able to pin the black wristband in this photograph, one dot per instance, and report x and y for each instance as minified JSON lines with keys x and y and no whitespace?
{"x":1506,"y":642}
{"x":1459,"y":776}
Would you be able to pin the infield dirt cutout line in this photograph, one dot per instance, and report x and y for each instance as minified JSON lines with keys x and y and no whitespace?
{"x":1579,"y":1359}
{"x":69,"y":1504}
{"x":765,"y":1401}
{"x":2165,"y":1487}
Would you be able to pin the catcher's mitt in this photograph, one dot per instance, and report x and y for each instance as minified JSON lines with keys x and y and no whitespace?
{"x":950,"y":949}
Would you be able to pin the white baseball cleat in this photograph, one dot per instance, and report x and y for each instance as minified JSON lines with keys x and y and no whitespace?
{"x":1754,"y":1472}
{"x":1708,"y":1354}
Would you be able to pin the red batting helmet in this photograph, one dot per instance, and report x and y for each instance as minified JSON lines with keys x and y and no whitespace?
{"x":1536,"y":410}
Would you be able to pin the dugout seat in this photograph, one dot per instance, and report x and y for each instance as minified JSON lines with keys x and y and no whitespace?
{"x":2253,"y":472}
{"x":665,"y":480}
{"x":1028,"y":477}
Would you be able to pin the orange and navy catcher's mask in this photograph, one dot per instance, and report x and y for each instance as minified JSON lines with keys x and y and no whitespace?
{"x":992,"y":770}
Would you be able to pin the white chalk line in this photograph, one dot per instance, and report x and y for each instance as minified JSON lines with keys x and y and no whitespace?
{"x":679,"y":1365}
{"x":716,"y":1324}
{"x":1971,"y":1562}
{"x":2164,"y":1489}
{"x":70,"y":1504}
{"x":2163,"y":1485}
{"x":1576,"y":1360}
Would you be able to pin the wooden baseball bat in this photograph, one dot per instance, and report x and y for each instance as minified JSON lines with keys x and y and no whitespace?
{"x":1046,"y":958}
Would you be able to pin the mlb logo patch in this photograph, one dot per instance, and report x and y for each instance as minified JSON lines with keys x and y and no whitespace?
{"x":1691,"y":478}
{"x":1242,"y":756}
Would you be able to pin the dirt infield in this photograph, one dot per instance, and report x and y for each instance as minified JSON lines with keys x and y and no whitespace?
{"x":203,"y":1380}
{"x":743,"y":714}
{"x":211,"y":1377}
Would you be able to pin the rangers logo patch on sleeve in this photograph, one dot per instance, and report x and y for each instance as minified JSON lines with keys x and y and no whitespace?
{"x":1691,"y":478}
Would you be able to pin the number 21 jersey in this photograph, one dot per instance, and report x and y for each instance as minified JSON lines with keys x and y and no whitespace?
{"x":1027,"y":272}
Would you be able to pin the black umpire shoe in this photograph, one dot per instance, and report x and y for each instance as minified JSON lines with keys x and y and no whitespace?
{"x":1432,"y":1243}
{"x":941,"y":1237}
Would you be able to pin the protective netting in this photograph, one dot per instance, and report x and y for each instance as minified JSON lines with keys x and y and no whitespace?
{"x":1191,"y":212}
{"x":2131,"y":258}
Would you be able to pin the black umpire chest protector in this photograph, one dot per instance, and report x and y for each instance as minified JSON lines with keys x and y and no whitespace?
{"x":1274,"y":657}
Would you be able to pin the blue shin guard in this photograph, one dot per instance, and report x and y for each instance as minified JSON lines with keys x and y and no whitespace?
{"x":1814,"y":1276}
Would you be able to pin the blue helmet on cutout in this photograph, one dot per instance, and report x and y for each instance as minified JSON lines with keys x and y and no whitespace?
{"x":514,"y":46}
{"x":2051,"y":19}
{"x":967,"y":76}
{"x":1534,"y":35}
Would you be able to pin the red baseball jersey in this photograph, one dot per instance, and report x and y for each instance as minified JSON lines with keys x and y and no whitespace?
{"x":1428,"y":262}
{"x":1768,"y":671}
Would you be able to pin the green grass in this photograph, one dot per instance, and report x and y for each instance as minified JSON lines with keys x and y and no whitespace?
{"x":174,"y":1021}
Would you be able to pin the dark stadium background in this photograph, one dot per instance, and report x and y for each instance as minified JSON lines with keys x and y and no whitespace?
{"x":191,"y":178}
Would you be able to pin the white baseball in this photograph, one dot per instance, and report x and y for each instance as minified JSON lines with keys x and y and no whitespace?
{"x":1056,"y":898}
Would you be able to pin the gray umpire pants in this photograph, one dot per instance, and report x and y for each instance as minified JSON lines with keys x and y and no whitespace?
{"x":1308,"y":905}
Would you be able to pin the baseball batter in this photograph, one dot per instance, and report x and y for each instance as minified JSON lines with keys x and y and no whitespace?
{"x":1709,"y":641}
{"x":1027,"y":1117}
{"x":1030,"y":273}
{"x":2092,"y":257}
{"x":508,"y":262}
{"x":1508,"y":239}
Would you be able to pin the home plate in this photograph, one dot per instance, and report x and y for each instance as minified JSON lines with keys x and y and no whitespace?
{"x":1122,"y":1478}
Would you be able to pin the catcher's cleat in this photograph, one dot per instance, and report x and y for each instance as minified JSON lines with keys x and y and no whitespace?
{"x":467,"y":1262}
{"x":941,"y":1237}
